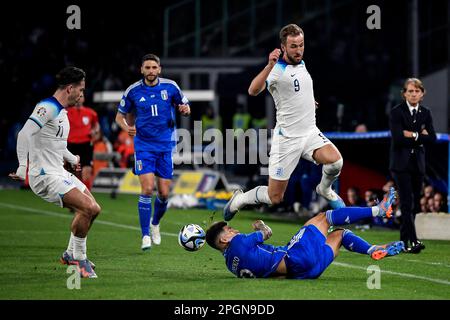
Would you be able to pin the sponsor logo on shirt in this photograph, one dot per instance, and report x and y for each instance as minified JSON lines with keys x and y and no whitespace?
{"x":142,"y":99}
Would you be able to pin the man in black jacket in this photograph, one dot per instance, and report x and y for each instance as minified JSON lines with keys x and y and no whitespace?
{"x":411,"y":127}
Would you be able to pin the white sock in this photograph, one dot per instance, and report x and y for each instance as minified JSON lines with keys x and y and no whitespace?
{"x":330,"y":172}
{"x":375,"y":211}
{"x":257,"y":195}
{"x":70,"y":246}
{"x":79,"y":248}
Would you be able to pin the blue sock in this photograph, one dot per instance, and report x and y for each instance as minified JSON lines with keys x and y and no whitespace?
{"x":160,"y":209}
{"x":352,"y":242}
{"x":145,"y":212}
{"x":348,"y":215}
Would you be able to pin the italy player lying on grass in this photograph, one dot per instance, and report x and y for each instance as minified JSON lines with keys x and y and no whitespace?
{"x":310,"y":251}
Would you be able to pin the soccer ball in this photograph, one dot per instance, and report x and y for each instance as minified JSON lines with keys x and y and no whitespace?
{"x":192,"y":237}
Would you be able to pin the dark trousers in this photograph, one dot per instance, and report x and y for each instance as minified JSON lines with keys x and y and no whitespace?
{"x":409,"y":186}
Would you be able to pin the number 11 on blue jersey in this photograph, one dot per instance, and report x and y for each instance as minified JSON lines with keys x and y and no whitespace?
{"x":154,"y":110}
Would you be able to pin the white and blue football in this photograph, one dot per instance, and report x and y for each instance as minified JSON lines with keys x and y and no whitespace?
{"x":192,"y":237}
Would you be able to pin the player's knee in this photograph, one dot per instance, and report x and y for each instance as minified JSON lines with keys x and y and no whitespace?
{"x":94,"y":209}
{"x":321,"y":216}
{"x":333,"y":169}
{"x":147,"y":191}
{"x":163,"y":196}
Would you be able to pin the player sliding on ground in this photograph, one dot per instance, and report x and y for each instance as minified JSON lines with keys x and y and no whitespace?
{"x":310,"y":251}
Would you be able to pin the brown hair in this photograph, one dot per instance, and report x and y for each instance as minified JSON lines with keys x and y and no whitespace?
{"x":290,"y":30}
{"x":151,"y":56}
{"x":414,"y":81}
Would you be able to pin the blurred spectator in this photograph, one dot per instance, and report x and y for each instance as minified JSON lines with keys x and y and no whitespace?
{"x":361,"y":128}
{"x":387,"y":186}
{"x":353,"y":198}
{"x":438,"y":202}
{"x":428,"y":191}
{"x":101,"y":146}
{"x":430,"y":205}
{"x":210,"y":120}
{"x":241,"y":119}
{"x":125,"y":146}
{"x":370,"y":198}
{"x":423,"y":205}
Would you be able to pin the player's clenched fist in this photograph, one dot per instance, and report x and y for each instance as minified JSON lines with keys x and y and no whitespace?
{"x":184,"y":109}
{"x":274,"y":56}
{"x":259,"y":225}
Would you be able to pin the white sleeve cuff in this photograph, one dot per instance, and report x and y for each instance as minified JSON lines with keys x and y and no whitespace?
{"x":68,"y":156}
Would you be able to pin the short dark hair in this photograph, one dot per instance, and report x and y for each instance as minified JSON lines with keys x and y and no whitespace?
{"x":290,"y":30}
{"x":213,"y":232}
{"x":153,"y":57}
{"x":69,"y":75}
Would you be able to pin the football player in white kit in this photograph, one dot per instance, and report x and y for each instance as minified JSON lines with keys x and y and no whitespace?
{"x":42,"y":143}
{"x":296,"y":134}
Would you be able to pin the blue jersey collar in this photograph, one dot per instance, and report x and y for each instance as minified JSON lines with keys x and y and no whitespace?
{"x":56,"y":102}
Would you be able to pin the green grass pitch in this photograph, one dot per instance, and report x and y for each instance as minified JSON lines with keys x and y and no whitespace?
{"x":34,"y":233}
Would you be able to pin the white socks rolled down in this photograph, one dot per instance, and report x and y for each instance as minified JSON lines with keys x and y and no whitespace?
{"x":255,"y":196}
{"x":79,"y":248}
{"x":70,"y":245}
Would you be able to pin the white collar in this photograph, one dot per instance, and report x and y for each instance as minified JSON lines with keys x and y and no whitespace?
{"x":411,"y":108}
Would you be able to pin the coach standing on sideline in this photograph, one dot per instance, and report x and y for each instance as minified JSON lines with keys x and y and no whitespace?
{"x":411,"y":127}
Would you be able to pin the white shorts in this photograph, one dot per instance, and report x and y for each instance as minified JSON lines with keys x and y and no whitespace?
{"x":52,"y":187}
{"x":285,"y":152}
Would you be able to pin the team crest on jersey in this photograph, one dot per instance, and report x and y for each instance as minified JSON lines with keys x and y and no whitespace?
{"x":164,"y":95}
{"x":139,"y":165}
{"x":279,"y":172}
{"x":41,"y":112}
{"x":85,"y":120}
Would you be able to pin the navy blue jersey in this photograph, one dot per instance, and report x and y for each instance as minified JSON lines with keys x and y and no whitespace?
{"x":154,"y":108}
{"x":247,"y":252}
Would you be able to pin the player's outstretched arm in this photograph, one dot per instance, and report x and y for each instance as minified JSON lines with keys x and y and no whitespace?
{"x":23,"y":145}
{"x":259,"y":225}
{"x":259,"y":82}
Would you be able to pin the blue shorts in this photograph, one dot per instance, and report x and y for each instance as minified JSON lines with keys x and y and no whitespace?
{"x":159,"y":163}
{"x":308,"y":255}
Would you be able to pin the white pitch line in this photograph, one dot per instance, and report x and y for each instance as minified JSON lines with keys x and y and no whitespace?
{"x":430,"y":263}
{"x":61,"y":215}
{"x":124,"y":226}
{"x":406,"y":275}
